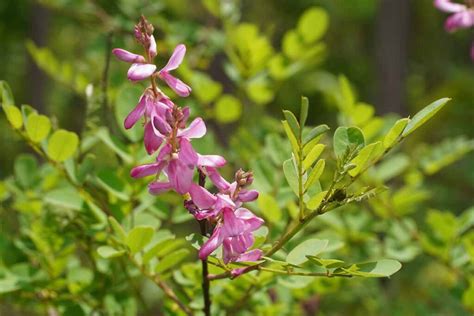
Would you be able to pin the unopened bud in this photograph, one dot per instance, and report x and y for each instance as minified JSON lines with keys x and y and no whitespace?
{"x":243,"y":178}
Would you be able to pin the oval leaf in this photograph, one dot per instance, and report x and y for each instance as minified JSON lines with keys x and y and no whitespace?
{"x":37,"y":127}
{"x":139,"y":237}
{"x":310,"y":247}
{"x":13,"y":115}
{"x":347,"y":138}
{"x":108,"y":252}
{"x":62,"y":145}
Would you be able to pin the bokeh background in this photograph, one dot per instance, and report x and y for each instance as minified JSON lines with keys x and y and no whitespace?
{"x":395,"y":53}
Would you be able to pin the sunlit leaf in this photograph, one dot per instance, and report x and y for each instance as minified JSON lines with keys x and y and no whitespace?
{"x":312,"y":247}
{"x":424,"y":115}
{"x":139,"y":237}
{"x":108,"y":252}
{"x":62,"y":145}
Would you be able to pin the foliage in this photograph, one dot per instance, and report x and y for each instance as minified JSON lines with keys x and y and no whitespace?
{"x":341,"y":204}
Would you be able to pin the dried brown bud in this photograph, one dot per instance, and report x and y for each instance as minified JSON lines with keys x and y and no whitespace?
{"x":243,"y":178}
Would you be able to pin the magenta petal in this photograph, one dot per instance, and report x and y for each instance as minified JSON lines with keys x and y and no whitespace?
{"x":196,"y":129}
{"x":151,"y":140}
{"x":140,"y":71}
{"x":187,"y":154}
{"x":159,"y":187}
{"x":182,"y":89}
{"x":252,"y":222}
{"x":128,"y":57}
{"x":152,"y":48}
{"x":448,"y":6}
{"x":232,"y":225}
{"x":211,"y":244}
{"x":217,"y":179}
{"x":176,"y":58}
{"x":213,"y":161}
{"x":252,"y":255}
{"x":460,"y":20}
{"x":180,"y":176}
{"x":248,"y":195}
{"x":201,"y":197}
{"x":146,"y":170}
{"x":160,"y":125}
{"x":136,"y":113}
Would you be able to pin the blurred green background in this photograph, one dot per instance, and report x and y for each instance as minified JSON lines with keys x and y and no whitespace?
{"x":395,"y":53}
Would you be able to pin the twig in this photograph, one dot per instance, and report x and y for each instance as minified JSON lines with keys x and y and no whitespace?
{"x":205,"y":270}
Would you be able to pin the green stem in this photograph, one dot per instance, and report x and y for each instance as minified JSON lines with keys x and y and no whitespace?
{"x":311,"y":274}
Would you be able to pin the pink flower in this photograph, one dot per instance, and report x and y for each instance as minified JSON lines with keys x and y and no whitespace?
{"x":234,"y":232}
{"x":243,"y":195}
{"x":140,"y":68}
{"x":178,"y":164}
{"x":174,"y":83}
{"x":462,"y":17}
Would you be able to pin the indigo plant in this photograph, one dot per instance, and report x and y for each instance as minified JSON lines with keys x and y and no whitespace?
{"x":148,"y":212}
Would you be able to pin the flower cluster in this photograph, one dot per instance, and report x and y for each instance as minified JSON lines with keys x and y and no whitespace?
{"x":167,"y":133}
{"x":462,"y":16}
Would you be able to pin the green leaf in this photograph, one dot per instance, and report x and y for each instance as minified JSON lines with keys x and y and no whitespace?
{"x":205,"y":89}
{"x":110,"y":181}
{"x":347,"y":138}
{"x":291,"y":175}
{"x":108,"y":252}
{"x":315,"y":132}
{"x":13,"y":116}
{"x":117,"y":228}
{"x":171,"y":260}
{"x":394,"y":133}
{"x":114,"y":144}
{"x":347,"y":97}
{"x":86,"y":167}
{"x":294,"y":143}
{"x":269,"y":207}
{"x":304,"y":111}
{"x":260,"y":91}
{"x":375,"y":269}
{"x":139,"y":237}
{"x":37,"y":127}
{"x":312,"y":156}
{"x":424,"y":115}
{"x":64,"y":198}
{"x":313,"y":24}
{"x":312,"y":247}
{"x":293,"y":45}
{"x":62,"y":145}
{"x":156,"y":248}
{"x":292,"y":122}
{"x":6,"y":95}
{"x":228,"y":109}
{"x":10,"y":284}
{"x":366,"y":157}
{"x":315,"y":201}
{"x":315,"y":174}
{"x":26,"y":170}
{"x":327,"y":263}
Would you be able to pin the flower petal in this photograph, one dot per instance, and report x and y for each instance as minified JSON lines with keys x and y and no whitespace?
{"x":176,"y":58}
{"x":187,"y":154}
{"x":152,"y":48}
{"x":214,"y":161}
{"x":448,"y":6}
{"x":140,"y":71}
{"x":217,"y":179}
{"x":156,"y":188}
{"x":201,"y":197}
{"x":128,"y":57}
{"x":146,"y":170}
{"x":232,"y":225}
{"x":248,"y":195}
{"x":180,"y":176}
{"x":211,"y":244}
{"x":460,"y":20}
{"x":136,"y":113}
{"x":252,"y":255}
{"x":151,"y":140}
{"x":252,"y":222}
{"x":196,"y":129}
{"x":182,"y":89}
